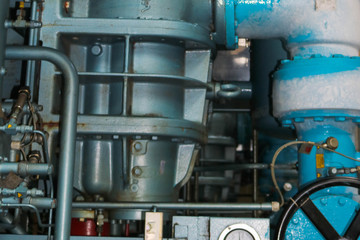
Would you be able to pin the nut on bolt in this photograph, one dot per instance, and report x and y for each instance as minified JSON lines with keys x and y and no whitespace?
{"x":275,"y":206}
{"x":138,"y":146}
{"x":287,"y":186}
{"x":136,"y":171}
{"x":332,"y":143}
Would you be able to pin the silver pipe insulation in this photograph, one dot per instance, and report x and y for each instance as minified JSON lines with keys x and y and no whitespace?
{"x":68,"y":128}
{"x":24,"y":169}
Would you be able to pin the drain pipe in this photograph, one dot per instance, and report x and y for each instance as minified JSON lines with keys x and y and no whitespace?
{"x":68,"y":128}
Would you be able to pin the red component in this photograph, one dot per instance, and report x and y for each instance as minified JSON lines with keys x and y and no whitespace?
{"x":87,"y":228}
{"x":127,"y":230}
{"x":67,"y":6}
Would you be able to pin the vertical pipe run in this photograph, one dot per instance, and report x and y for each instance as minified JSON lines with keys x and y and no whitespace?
{"x":68,"y":128}
{"x":255,"y":180}
{"x":33,"y":39}
{"x":4,"y":10}
{"x":255,"y":161}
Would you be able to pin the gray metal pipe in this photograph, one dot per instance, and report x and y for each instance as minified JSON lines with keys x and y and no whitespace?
{"x":25,"y":169}
{"x":241,"y":167}
{"x":15,"y":229}
{"x":4,"y":11}
{"x":40,"y":203}
{"x":33,"y":41}
{"x":180,"y":206}
{"x":68,"y":128}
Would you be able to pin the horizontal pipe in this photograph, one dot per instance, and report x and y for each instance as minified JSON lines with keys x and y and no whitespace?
{"x":308,"y":26}
{"x":7,"y":106}
{"x":240,"y":167}
{"x":25,"y":205}
{"x":40,"y":203}
{"x":68,"y":126}
{"x":180,"y":206}
{"x":25,"y":169}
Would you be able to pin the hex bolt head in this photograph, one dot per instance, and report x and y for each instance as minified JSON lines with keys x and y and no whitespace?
{"x":96,"y":50}
{"x":138,"y":146}
{"x":333,"y":171}
{"x":137,"y":171}
{"x":332,"y":143}
{"x":287,"y":187}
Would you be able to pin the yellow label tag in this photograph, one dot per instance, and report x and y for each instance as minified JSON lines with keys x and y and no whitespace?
{"x":9,"y":126}
{"x":19,"y":195}
{"x":320,"y":162}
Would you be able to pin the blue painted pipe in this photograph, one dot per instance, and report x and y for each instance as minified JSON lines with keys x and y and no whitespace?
{"x":308,"y":26}
{"x":68,"y":128}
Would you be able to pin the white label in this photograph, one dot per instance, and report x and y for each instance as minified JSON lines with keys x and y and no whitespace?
{"x":325,"y":5}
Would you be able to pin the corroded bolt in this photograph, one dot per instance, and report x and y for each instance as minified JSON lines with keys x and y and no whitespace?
{"x":137,"y":171}
{"x":137,"y":146}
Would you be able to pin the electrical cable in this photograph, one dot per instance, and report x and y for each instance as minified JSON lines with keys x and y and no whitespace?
{"x":272,"y":167}
{"x":278,"y":151}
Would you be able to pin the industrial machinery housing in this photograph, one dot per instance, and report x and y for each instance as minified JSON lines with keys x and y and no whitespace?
{"x":179,"y":119}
